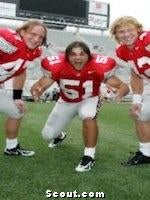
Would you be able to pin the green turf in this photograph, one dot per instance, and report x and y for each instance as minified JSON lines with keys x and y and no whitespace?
{"x":53,"y":169}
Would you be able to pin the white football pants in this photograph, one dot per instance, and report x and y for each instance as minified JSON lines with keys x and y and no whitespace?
{"x":8,"y":106}
{"x":64,"y":112}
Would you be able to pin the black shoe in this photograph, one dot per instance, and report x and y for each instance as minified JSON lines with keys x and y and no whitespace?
{"x":137,"y":159}
{"x":57,"y":141}
{"x":85,"y":164}
{"x":18,"y":151}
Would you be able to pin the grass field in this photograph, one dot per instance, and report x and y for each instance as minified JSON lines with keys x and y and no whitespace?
{"x":53,"y":169}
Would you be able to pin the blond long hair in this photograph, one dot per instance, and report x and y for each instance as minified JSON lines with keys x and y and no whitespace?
{"x":31,"y":24}
{"x":124,"y":21}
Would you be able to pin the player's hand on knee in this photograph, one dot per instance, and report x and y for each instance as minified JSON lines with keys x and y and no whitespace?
{"x":36,"y":91}
{"x":20,"y":105}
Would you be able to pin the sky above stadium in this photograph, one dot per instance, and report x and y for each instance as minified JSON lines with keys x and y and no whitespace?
{"x":135,"y":8}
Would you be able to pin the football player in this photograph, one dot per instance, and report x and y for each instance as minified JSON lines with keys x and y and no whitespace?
{"x":17,"y":49}
{"x":79,"y":75}
{"x":134,"y":48}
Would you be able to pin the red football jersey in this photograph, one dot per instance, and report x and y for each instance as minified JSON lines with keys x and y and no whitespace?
{"x":14,"y":55}
{"x":140,"y":55}
{"x":76,"y":85}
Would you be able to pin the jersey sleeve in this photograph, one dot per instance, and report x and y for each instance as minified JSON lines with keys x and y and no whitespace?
{"x":106,"y":66}
{"x":110,"y":68}
{"x":8,"y":41}
{"x":51,"y":66}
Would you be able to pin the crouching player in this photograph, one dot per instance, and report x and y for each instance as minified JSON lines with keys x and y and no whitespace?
{"x":79,"y":75}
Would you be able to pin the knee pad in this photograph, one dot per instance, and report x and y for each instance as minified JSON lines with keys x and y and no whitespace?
{"x":88,"y":108}
{"x":17,"y":115}
{"x":48,"y":133}
{"x":89,"y":112}
{"x":86,"y":114}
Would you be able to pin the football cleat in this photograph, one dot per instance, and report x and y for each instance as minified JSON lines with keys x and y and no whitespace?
{"x":18,"y":151}
{"x":137,"y":159}
{"x":57,"y":141}
{"x":85,"y":164}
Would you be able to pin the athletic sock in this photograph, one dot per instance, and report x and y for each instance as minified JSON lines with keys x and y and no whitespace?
{"x":145,"y":148}
{"x":90,"y":152}
{"x":11,"y":143}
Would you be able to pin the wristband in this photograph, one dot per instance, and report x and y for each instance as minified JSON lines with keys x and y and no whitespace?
{"x":17,"y":94}
{"x":137,"y":98}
